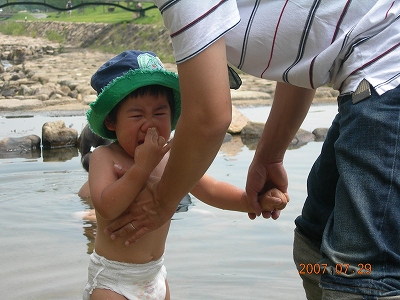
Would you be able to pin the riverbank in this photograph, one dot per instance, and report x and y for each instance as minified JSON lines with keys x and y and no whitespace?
{"x":57,"y":78}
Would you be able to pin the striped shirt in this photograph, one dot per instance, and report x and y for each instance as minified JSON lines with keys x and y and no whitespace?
{"x":307,"y":43}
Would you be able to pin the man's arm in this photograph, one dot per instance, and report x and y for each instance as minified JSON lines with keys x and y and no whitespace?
{"x":266,"y":171}
{"x":205,"y":117}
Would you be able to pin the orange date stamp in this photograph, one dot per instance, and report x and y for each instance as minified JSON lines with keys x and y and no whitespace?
{"x":338,"y":269}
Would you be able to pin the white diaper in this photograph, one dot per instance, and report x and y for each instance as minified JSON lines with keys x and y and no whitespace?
{"x":133,"y":281}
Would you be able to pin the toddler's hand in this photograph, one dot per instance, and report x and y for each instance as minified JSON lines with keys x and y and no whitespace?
{"x":273,"y":199}
{"x":149,"y":154}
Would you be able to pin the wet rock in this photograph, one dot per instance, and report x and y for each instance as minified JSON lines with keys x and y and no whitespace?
{"x":252,"y":132}
{"x":57,"y":135}
{"x":239,"y":121}
{"x":320,"y":134}
{"x":301,"y":138}
{"x":20,"y":144}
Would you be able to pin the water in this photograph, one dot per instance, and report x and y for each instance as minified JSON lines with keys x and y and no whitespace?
{"x":211,"y":254}
{"x":318,"y":115}
{"x":6,"y":64}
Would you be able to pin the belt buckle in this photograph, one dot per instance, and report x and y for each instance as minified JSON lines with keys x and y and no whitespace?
{"x":362,"y":92}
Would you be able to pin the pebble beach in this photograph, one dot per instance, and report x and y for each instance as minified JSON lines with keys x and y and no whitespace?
{"x":58,"y":78}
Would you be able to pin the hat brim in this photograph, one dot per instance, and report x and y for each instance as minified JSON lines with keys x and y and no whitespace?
{"x":121,"y":87}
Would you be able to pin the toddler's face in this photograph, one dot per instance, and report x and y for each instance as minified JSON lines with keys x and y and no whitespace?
{"x":137,"y":115}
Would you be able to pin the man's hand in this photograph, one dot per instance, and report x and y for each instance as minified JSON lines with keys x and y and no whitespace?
{"x":289,"y":108}
{"x":260,"y":179}
{"x":272,"y":202}
{"x":145,"y":214}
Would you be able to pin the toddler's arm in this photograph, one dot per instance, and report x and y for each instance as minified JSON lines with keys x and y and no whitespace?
{"x":226,"y":196}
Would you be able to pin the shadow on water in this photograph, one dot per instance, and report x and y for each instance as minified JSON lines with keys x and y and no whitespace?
{"x":32,"y":154}
{"x":60,"y":154}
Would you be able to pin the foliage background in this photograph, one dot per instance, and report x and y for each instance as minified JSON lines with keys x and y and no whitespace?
{"x":90,"y":13}
{"x":122,"y":29}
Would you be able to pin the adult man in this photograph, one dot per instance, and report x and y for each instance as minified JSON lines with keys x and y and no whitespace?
{"x":350,"y":218}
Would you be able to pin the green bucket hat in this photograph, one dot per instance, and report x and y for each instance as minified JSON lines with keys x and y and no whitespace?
{"x":120,"y":76}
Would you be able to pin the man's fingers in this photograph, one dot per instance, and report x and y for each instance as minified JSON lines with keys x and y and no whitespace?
{"x":139,"y":233}
{"x":252,"y":216}
{"x":127,"y":229}
{"x":271,"y":214}
{"x":117,"y":224}
{"x":267,"y":214}
{"x":149,"y":210}
{"x":275,"y":214}
{"x":255,"y":205}
{"x":121,"y":226}
{"x":252,"y":200}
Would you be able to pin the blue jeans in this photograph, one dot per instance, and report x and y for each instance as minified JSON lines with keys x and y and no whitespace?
{"x":352,"y":211}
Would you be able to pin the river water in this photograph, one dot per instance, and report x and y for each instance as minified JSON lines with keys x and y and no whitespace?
{"x":211,"y":254}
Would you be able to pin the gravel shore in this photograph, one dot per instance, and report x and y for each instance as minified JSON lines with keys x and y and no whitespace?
{"x":65,"y":77}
